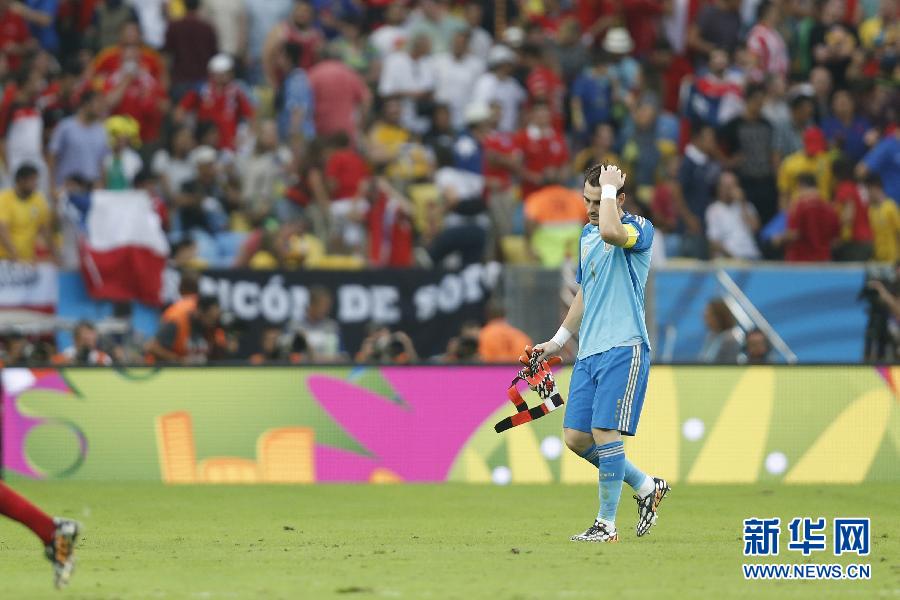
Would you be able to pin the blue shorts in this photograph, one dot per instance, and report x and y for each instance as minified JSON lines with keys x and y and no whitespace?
{"x":607,"y":390}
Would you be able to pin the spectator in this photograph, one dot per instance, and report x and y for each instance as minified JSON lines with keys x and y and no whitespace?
{"x":391,"y":36}
{"x":441,"y":135}
{"x":882,"y":27}
{"x":456,"y":72}
{"x":15,"y":38}
{"x":191,"y":42}
{"x":126,"y":46}
{"x":500,"y":342}
{"x":289,"y":246}
{"x":856,"y":233}
{"x":646,"y":145}
{"x":22,"y":125}
{"x":844,"y":129}
{"x":766,"y":43}
{"x":814,"y":159}
{"x":789,"y":136}
{"x":718,"y":25}
{"x":498,"y":86}
{"x":468,"y":148}
{"x":345,"y":169}
{"x":135,"y":91}
{"x":435,"y":22}
{"x":40,"y":16}
{"x":190,"y":332}
{"x":833,"y":42}
{"x":625,"y":69}
{"x":322,"y":333}
{"x":544,"y":84}
{"x":480,"y":41}
{"x":592,"y":96}
{"x":884,"y":217}
{"x":757,"y":350}
{"x":262,"y":172}
{"x":682,"y":230}
{"x":220,"y":100}
{"x":353,"y":48}
{"x":229,"y":19}
{"x":78,"y":144}
{"x":884,"y":159}
{"x":25,"y":220}
{"x":716,"y":97}
{"x":410,"y":75}
{"x":173,"y":164}
{"x":295,"y":103}
{"x":299,"y":29}
{"x":85,"y":349}
{"x":570,"y":52}
{"x":732,"y":222}
{"x":822,"y":87}
{"x":110,"y":17}
{"x":698,"y":175}
{"x":723,"y":340}
{"x":154,"y":16}
{"x":389,"y":226}
{"x":603,"y":141}
{"x":392,"y":147}
{"x":341,"y":99}
{"x":748,"y":141}
{"x":812,"y":224}
{"x":554,"y":218}
{"x":545,"y":154}
{"x":123,"y":163}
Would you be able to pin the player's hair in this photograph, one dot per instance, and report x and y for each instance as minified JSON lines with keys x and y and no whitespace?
{"x":592,"y":175}
{"x":25,"y":171}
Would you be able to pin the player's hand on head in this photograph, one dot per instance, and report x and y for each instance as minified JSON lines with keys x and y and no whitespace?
{"x":612,"y":175}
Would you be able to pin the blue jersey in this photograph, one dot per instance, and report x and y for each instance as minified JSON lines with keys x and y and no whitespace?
{"x":612,"y":284}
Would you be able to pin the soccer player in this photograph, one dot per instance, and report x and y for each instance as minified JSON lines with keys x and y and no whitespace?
{"x":609,"y":379}
{"x":59,"y":535}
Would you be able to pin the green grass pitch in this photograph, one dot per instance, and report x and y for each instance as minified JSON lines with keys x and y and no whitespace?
{"x":418,"y":541}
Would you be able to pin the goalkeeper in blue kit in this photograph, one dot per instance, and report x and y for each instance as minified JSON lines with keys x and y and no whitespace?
{"x":609,"y":379}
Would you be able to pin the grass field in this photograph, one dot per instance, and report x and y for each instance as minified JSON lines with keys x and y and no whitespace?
{"x":447,"y":541}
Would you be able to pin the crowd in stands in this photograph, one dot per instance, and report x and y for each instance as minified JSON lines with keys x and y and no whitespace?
{"x":284,"y":134}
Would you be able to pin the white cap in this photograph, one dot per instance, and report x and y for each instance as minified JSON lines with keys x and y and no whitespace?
{"x":477,"y":112}
{"x":618,"y":41}
{"x":500,"y":54}
{"x":514,"y":36}
{"x":204,"y":155}
{"x":220,"y":63}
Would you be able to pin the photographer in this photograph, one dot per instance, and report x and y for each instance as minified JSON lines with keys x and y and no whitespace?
{"x":882,"y":330}
{"x":386,"y":347}
{"x":85,"y":349}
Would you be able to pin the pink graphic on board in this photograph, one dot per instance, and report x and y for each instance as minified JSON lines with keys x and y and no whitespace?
{"x":419,"y":439}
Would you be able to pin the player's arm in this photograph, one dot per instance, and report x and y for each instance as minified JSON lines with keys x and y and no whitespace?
{"x":570,"y":324}
{"x":612,"y":231}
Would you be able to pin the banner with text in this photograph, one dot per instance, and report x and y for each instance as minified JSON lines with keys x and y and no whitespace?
{"x":436,"y":423}
{"x":430,"y":306}
{"x":28,"y":286}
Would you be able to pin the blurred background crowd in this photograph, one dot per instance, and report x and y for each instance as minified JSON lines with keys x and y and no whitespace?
{"x":364,"y":134}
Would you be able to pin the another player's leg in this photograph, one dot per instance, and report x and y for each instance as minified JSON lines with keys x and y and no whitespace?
{"x":58,"y":535}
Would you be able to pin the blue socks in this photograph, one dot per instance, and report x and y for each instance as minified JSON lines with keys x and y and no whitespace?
{"x":634,"y":477}
{"x":611,"y":459}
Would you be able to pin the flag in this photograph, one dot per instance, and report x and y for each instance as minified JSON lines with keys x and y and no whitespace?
{"x":124,"y":247}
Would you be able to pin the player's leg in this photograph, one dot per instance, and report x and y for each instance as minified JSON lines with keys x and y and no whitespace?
{"x":58,"y":535}
{"x":577,"y":422}
{"x":649,"y":491}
